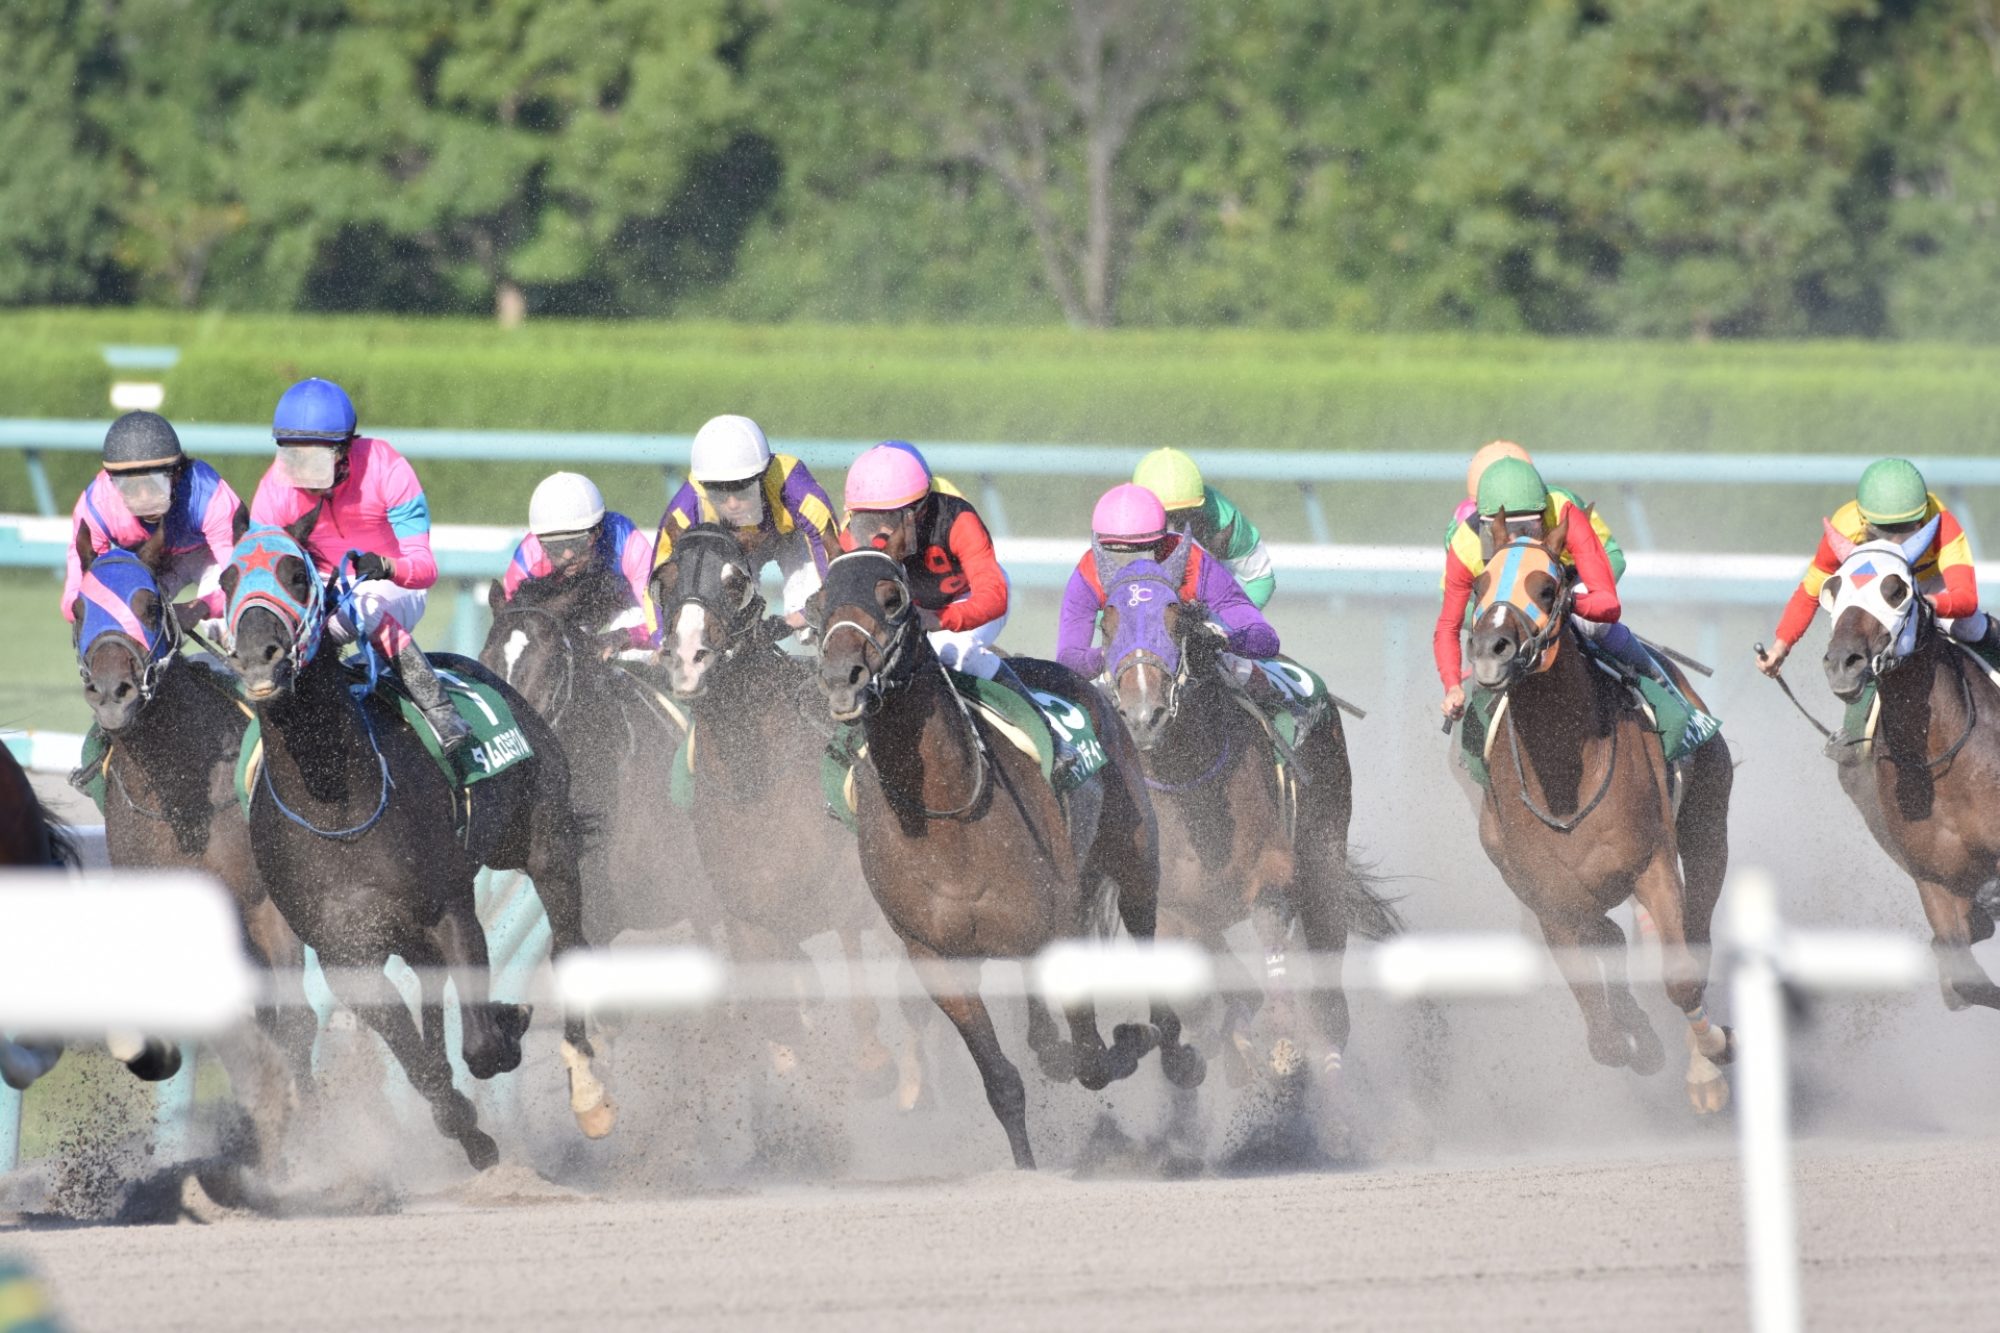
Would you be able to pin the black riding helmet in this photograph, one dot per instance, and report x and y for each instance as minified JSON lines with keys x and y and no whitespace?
{"x":142,"y":456}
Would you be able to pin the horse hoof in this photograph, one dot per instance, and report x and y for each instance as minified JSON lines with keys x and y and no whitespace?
{"x":480,"y":1149}
{"x":909,"y":1091}
{"x":1183,"y":1066}
{"x":1286,"y":1058}
{"x":1614,"y":1052}
{"x":1138,"y":1038}
{"x":1709,"y":1096}
{"x":875,"y":1075}
{"x":1727,"y":1055}
{"x":158,"y":1062}
{"x":1648,"y":1056}
{"x":598,"y":1121}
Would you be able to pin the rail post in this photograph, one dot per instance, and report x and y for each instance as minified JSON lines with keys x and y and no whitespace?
{"x":10,"y":1129}
{"x":1763,"y":1112}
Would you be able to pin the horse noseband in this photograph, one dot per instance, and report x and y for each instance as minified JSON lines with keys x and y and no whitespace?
{"x":885,"y":678}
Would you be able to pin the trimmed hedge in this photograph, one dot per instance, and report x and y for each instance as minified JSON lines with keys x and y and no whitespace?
{"x":1223,"y":389}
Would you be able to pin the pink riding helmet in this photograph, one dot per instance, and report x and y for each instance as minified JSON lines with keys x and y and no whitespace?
{"x":886,"y":477}
{"x":1129,"y":513}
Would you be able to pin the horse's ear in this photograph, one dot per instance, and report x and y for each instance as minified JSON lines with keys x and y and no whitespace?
{"x":152,"y":552}
{"x":1558,"y":539}
{"x":301,"y":531}
{"x":815,"y":608}
{"x":86,"y":550}
{"x":1492,"y":536}
{"x":76,"y":622}
{"x":231,"y":576}
{"x":239,"y":523}
{"x":496,"y":595}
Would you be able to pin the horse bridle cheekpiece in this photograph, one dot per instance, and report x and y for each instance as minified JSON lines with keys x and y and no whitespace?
{"x":108,"y":588}
{"x":257,"y":558}
{"x":1861,"y":578}
{"x":888,"y":674}
{"x":1508,"y":595}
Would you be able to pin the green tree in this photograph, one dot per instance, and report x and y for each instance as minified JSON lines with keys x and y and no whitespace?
{"x":1658,"y":167}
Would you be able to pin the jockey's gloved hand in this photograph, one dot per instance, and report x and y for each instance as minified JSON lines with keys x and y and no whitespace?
{"x":370,"y":566}
{"x":777,"y":629}
{"x":189,"y":614}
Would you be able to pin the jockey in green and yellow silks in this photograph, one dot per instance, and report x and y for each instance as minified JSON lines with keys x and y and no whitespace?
{"x":1205,"y":514}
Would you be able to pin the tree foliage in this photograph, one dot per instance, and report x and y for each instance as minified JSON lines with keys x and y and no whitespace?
{"x":1723,"y":168}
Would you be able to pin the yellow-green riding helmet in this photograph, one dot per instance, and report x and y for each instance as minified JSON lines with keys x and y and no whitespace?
{"x":1173,"y":476}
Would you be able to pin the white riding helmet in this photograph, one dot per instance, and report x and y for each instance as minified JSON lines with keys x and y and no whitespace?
{"x":564,"y":502}
{"x":728,"y":449}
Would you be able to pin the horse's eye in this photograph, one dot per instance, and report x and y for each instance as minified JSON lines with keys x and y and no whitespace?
{"x":1895,"y":591}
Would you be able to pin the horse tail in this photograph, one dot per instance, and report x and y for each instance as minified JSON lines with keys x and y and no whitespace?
{"x":63,"y":849}
{"x":1361,"y":903}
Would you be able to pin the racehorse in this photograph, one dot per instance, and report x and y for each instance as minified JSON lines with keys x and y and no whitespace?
{"x":782,"y":870}
{"x":1580,"y":812}
{"x":1240,"y":837}
{"x":618,"y":731}
{"x":1929,"y":780}
{"x":356,"y":831}
{"x":175,"y":728}
{"x":969,"y":850}
{"x":29,"y":837}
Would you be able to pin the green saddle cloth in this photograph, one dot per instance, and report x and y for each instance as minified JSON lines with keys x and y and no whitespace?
{"x":1857,"y":720}
{"x":1307,"y":696}
{"x":497,"y":743}
{"x":1669,"y":718}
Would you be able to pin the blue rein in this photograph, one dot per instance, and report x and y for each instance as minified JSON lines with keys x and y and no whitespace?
{"x":355,"y":831}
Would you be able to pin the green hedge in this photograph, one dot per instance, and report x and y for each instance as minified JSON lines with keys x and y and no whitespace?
{"x":1224,"y":389}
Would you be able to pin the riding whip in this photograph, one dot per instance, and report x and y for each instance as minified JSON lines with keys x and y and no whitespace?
{"x":1678,"y":656}
{"x":1828,"y":735}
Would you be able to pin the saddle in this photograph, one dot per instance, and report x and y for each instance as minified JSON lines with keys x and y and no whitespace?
{"x":497,"y":743}
{"x":1030,"y":729}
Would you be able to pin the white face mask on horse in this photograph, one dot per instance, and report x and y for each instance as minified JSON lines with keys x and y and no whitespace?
{"x":1878,"y":578}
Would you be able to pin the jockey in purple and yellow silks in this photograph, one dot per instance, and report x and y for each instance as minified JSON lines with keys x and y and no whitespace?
{"x":570,"y":533}
{"x":147,"y":481}
{"x":367,"y":499}
{"x":778,"y":512}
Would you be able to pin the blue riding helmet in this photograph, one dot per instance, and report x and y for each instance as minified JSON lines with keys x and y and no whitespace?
{"x":314,"y":409}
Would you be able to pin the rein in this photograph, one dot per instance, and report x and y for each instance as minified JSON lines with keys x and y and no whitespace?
{"x":1521,"y":776}
{"x":356,"y":830}
{"x":886,"y":679}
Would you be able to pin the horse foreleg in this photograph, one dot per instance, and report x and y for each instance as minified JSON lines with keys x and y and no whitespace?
{"x":1660,"y":891}
{"x":1323,"y":923}
{"x":1609,"y":1044}
{"x":362,"y":987}
{"x":875,"y":1068}
{"x":553,"y":867}
{"x":491,"y":1032}
{"x":1056,"y":1056}
{"x":1004,"y":1091}
{"x":1960,"y":977}
{"x":290,"y":1020}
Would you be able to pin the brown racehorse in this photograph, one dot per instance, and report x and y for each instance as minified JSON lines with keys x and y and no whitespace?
{"x":175,"y":727}
{"x":1929,"y":781}
{"x":782,"y":868}
{"x":29,"y":837}
{"x":968,"y":849}
{"x":1237,"y":839}
{"x":1579,"y":813}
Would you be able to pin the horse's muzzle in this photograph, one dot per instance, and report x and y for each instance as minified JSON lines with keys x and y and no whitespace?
{"x":1847,"y":674}
{"x":1147,"y":723}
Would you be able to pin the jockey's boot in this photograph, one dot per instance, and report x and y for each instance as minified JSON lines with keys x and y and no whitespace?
{"x":1987,"y":645}
{"x":1065,"y":757}
{"x":1626,"y":647}
{"x":424,"y":687}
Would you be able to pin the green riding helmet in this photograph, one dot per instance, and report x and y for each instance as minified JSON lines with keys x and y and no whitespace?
{"x":1892,"y":491}
{"x":1510,"y":486}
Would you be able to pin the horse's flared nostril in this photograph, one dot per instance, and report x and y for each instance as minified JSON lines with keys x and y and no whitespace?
{"x":271,"y":652}
{"x":854,"y":674}
{"x":123,"y":692}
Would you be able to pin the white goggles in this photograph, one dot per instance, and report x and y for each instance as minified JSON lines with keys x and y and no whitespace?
{"x":310,"y":467}
{"x":146,"y":494}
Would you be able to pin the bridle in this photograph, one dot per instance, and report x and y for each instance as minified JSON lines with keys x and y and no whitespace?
{"x":735,"y":621}
{"x":565,"y":692}
{"x":1538,"y":630}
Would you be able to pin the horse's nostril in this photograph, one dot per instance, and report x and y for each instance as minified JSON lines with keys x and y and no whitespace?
{"x":270,"y":652}
{"x":123,"y":692}
{"x":854,"y":674}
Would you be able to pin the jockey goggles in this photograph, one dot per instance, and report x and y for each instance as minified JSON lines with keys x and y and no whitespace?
{"x":147,"y":492}
{"x":568,"y":548}
{"x":310,"y":466}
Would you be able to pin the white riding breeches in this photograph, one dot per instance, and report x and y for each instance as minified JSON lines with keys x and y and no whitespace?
{"x":388,"y":614}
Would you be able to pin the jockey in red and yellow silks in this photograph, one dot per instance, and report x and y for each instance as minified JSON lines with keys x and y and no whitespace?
{"x":1893,"y":502}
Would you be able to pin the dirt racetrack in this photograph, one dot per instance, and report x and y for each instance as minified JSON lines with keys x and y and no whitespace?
{"x":1887,"y":1234}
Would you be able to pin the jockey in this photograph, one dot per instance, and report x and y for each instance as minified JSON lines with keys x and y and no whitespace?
{"x":570,"y":533}
{"x":957,"y":583}
{"x":147,"y":481}
{"x":1468,"y":508}
{"x":1893,"y":502}
{"x":1205,"y":514}
{"x":1128,"y":523}
{"x":368,"y":500}
{"x":777,"y":510}
{"x":1514,"y":492}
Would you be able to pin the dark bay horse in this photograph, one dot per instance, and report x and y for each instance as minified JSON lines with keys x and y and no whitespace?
{"x":620,"y":733}
{"x":783,"y":870}
{"x":175,"y":727}
{"x":969,"y":850}
{"x":1580,"y":813}
{"x":30,"y":837}
{"x":1238,"y":839}
{"x":355,"y":831}
{"x":1928,"y":783}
